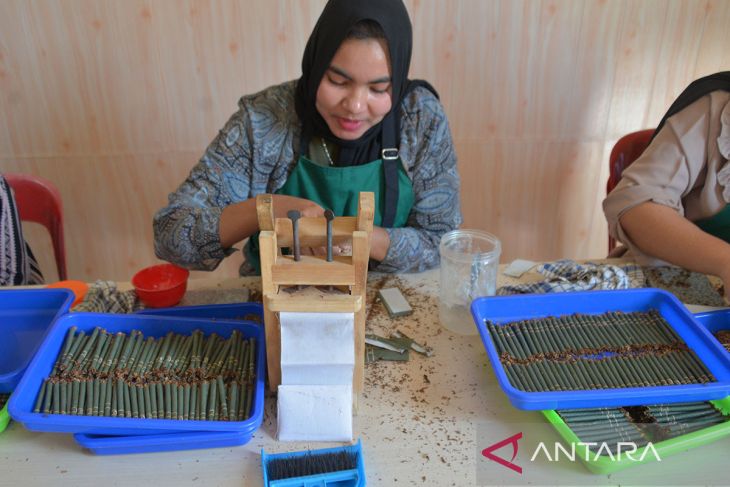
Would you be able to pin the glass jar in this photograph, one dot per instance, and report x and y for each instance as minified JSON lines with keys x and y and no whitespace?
{"x":469,"y":264}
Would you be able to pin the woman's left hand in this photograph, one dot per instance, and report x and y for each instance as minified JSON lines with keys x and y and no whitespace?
{"x":379,"y":243}
{"x":344,"y":248}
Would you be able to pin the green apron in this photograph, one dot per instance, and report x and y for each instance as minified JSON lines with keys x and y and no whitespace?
{"x":718,"y":224}
{"x":338,"y":189}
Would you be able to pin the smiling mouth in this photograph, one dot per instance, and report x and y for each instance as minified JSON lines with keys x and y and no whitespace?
{"x":349,"y":124}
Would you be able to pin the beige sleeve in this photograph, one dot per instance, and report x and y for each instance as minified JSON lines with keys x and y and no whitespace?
{"x":665,"y":173}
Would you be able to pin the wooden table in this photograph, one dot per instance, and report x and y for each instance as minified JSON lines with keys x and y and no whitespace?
{"x":422,"y":422}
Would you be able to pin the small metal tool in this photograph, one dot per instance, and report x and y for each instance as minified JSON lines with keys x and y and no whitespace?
{"x":382,"y":342}
{"x":329,"y":215}
{"x":294,"y":216}
{"x":415,"y":346}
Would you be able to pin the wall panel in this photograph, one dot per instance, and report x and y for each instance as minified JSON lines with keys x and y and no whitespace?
{"x":116,"y":101}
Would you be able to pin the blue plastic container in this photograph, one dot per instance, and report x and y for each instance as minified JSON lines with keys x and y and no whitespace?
{"x":715,"y":321}
{"x":122,"y":445}
{"x":23,"y":399}
{"x":504,"y":309}
{"x":25,"y":317}
{"x":342,"y":478}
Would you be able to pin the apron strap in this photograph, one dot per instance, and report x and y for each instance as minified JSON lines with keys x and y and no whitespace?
{"x":303,"y":144}
{"x":391,"y":159}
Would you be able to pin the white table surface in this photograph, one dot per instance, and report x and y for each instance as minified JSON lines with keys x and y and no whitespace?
{"x":422,"y":422}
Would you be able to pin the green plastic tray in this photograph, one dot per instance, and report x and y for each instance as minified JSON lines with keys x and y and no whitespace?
{"x":4,"y":417}
{"x":604,"y":464}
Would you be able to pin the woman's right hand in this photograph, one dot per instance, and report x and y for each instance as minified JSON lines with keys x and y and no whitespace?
{"x":239,"y":220}
{"x":283,"y":204}
{"x":725,"y":278}
{"x":661,"y":232}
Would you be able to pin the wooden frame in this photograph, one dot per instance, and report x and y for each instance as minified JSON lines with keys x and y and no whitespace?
{"x":348,"y":273}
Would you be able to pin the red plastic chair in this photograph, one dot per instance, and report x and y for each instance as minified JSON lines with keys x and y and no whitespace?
{"x":626,"y":150}
{"x":39,"y":201}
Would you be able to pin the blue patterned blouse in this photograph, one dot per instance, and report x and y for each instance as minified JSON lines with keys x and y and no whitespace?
{"x":256,"y":151}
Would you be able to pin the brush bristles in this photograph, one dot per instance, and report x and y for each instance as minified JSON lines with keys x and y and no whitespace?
{"x":310,"y":464}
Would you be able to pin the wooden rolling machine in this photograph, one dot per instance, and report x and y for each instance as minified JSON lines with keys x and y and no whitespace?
{"x":314,"y":283}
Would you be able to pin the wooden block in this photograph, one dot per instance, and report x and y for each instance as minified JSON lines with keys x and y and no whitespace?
{"x":313,"y":231}
{"x":273,"y":347}
{"x":313,"y":270}
{"x":366,"y":212}
{"x":265,"y":211}
{"x":325,"y":303}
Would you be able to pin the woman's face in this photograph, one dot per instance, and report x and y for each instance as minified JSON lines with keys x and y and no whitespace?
{"x":355,"y":91}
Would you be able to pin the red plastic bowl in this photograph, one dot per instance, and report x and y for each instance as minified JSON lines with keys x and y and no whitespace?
{"x":161,"y":285}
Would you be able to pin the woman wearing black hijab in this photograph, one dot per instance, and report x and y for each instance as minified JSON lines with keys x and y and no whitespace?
{"x":353,"y":122}
{"x":672,"y":204}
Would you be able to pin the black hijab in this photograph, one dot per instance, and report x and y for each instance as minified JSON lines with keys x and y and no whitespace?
{"x":332,"y":28}
{"x":696,"y":90}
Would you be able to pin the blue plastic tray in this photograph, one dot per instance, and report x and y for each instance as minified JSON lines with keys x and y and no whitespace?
{"x":23,"y":399}
{"x":233,"y":311}
{"x":503,"y":309}
{"x":25,"y":317}
{"x":122,"y":445}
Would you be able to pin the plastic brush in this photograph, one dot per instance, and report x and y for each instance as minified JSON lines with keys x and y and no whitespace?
{"x":342,"y":466}
{"x":311,"y":464}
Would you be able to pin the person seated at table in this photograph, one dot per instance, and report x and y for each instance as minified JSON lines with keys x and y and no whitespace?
{"x":671,"y":205}
{"x":18,"y":265}
{"x":352,"y":122}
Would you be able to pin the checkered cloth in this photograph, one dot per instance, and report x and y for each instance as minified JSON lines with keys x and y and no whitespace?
{"x":18,"y":265}
{"x":568,"y":275}
{"x":103,"y":297}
